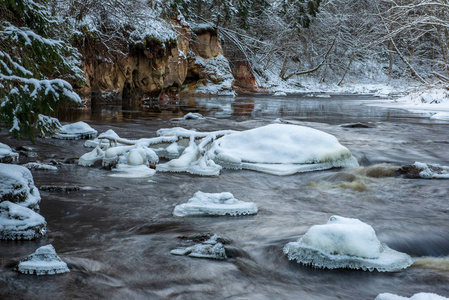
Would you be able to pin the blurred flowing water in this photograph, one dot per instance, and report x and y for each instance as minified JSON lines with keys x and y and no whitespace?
{"x":116,"y":234}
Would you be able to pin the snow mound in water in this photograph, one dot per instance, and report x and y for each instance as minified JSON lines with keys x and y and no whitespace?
{"x":130,"y":171}
{"x":7,"y":155}
{"x":17,"y":186}
{"x":193,"y":116}
{"x":217,"y":204}
{"x":419,"y":296}
{"x":212,"y":249}
{"x":281,"y":149}
{"x":441,"y":116}
{"x":20,"y":223}
{"x":44,"y":261}
{"x":432,"y":170}
{"x":346,"y":243}
{"x":75,"y":131}
{"x":40,"y":166}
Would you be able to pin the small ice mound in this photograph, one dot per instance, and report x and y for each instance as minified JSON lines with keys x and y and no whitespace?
{"x":132,"y":171}
{"x":44,"y":261}
{"x":204,"y":167}
{"x":423,"y":170}
{"x":441,"y":116}
{"x":40,"y":166}
{"x":193,"y":116}
{"x":419,"y":296}
{"x":7,"y":155}
{"x":88,"y":159}
{"x":280,"y":148}
{"x":100,"y":140}
{"x":280,"y":94}
{"x":278,"y":121}
{"x":215,"y":204}
{"x":346,"y":243}
{"x":212,"y":248}
{"x":181,"y":164}
{"x":17,"y":186}
{"x":20,"y":223}
{"x":75,"y":131}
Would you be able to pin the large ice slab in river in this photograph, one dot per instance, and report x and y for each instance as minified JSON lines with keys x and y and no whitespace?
{"x":419,"y":296}
{"x":20,"y":223}
{"x":17,"y":186}
{"x":75,"y":131}
{"x":212,"y":248}
{"x":345,"y":243}
{"x":217,"y":204}
{"x":44,"y":261}
{"x":281,"y":149}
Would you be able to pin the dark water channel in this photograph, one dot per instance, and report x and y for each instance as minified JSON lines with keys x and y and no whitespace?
{"x":116,"y":234}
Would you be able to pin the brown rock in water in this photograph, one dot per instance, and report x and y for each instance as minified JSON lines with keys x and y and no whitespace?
{"x":409,"y":171}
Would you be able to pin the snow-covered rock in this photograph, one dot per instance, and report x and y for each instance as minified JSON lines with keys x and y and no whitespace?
{"x":419,"y":296}
{"x":7,"y":155}
{"x":44,"y":261}
{"x":345,"y":243}
{"x":100,"y":139}
{"x":280,"y":94}
{"x":17,"y":186}
{"x":75,"y":131}
{"x":132,"y":171}
{"x":423,"y":170}
{"x":20,"y":223}
{"x":281,"y":149}
{"x":217,"y":204}
{"x":193,"y":116}
{"x":217,"y":76}
{"x":40,"y":166}
{"x":212,"y":248}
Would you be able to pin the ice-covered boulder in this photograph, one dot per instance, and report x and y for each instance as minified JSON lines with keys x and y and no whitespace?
{"x":216,"y":204}
{"x":212,"y":248}
{"x":193,"y":116}
{"x":423,"y":170}
{"x":17,"y":186}
{"x":281,"y":149}
{"x":131,"y":171}
{"x":419,"y":296}
{"x":44,"y":261}
{"x":20,"y":223}
{"x":346,"y":243}
{"x":75,"y":131}
{"x":40,"y":166}
{"x":7,"y":155}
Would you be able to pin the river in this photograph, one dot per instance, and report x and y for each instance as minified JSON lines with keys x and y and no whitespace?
{"x":116,"y":234}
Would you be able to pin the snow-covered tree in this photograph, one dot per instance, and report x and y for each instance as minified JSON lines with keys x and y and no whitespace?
{"x":35,"y":67}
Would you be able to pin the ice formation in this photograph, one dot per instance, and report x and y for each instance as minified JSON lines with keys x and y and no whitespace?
{"x":441,"y":116}
{"x":75,"y":131}
{"x":278,"y":149}
{"x":213,"y":248}
{"x":40,"y":166}
{"x":215,"y":204}
{"x":193,"y":116}
{"x":17,"y":186}
{"x":281,"y":149}
{"x":419,"y":296}
{"x":346,"y":243}
{"x":20,"y":223}
{"x":432,"y":170}
{"x":7,"y":155}
{"x":44,"y":261}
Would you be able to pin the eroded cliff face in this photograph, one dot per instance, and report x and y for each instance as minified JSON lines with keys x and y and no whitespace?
{"x":193,"y":64}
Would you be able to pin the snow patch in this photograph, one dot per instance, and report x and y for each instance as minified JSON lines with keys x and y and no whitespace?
{"x":44,"y":261}
{"x":432,"y":170}
{"x":7,"y":155}
{"x":345,"y":243}
{"x":419,"y":296}
{"x":75,"y":131}
{"x":215,"y":204}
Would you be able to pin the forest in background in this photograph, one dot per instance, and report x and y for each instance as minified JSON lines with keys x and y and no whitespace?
{"x":337,"y":42}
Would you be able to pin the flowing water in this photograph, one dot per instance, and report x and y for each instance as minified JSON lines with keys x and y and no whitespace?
{"x":116,"y":234}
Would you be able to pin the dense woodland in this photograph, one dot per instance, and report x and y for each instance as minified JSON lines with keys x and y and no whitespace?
{"x":42,"y":43}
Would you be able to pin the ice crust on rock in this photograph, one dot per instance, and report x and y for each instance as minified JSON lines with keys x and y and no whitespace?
{"x":130,"y":171}
{"x":75,"y":131}
{"x":217,"y":204}
{"x":44,"y":261}
{"x":7,"y":155}
{"x":17,"y":186}
{"x":193,"y":116}
{"x":418,"y":296}
{"x":279,"y":149}
{"x":212,"y":249}
{"x":432,"y":170}
{"x":40,"y":166}
{"x":20,"y":223}
{"x":345,"y":243}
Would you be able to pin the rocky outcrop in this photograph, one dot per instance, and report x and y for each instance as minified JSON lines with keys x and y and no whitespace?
{"x":191,"y":64}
